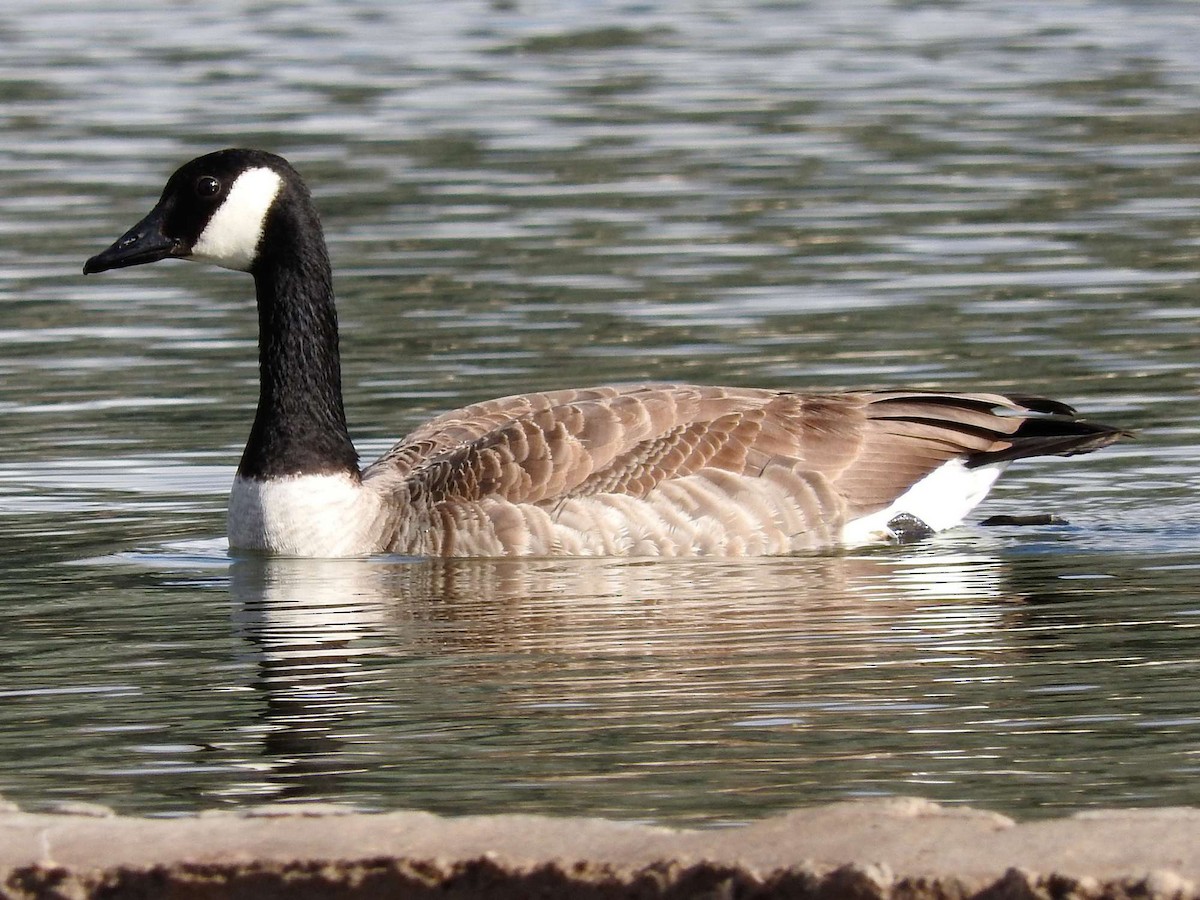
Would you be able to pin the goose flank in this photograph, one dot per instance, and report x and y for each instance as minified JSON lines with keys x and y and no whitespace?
{"x":627,"y":470}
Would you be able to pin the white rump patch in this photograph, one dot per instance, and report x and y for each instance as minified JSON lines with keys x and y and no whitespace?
{"x":230,"y":239}
{"x":941,"y":500}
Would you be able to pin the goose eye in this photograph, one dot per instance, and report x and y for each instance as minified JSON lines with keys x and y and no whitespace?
{"x":207,"y":186}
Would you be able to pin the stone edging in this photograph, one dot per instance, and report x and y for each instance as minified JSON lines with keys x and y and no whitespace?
{"x":904,"y":848}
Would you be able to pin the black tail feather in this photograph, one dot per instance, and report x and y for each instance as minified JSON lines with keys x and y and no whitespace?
{"x":1053,"y":432}
{"x":1043,"y":405}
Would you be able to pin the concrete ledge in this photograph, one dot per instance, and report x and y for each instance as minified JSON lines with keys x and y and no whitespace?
{"x":903,"y":848}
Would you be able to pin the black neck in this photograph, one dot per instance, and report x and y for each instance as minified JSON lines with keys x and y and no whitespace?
{"x":300,"y":426}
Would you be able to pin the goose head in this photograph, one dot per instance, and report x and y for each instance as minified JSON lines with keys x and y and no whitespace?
{"x":214,"y":209}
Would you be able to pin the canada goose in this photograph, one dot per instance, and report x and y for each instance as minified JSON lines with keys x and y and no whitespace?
{"x":644,"y":469}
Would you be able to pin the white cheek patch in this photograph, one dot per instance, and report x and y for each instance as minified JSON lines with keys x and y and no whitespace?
{"x":230,"y":239}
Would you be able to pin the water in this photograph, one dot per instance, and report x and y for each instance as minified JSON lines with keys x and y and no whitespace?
{"x":527,"y":195}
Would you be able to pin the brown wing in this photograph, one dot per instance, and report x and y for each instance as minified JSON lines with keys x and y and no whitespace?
{"x":459,"y":428}
{"x":869,"y":446}
{"x":536,"y":448}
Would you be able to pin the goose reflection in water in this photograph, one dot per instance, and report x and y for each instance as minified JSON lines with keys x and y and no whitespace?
{"x":447,"y":678}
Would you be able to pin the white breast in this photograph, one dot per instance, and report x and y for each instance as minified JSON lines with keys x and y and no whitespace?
{"x":307,"y":515}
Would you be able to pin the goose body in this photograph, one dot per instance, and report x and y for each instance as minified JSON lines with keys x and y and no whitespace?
{"x":645,"y":470}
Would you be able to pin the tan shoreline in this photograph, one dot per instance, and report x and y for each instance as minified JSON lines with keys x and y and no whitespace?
{"x":895,"y":848}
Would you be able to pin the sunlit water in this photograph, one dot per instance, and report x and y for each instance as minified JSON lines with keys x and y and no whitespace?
{"x":532,"y":195}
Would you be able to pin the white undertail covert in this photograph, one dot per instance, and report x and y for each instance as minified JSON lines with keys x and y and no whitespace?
{"x":942,"y":499}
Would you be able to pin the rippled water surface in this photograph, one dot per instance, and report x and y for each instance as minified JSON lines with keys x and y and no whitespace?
{"x":531,"y":195}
